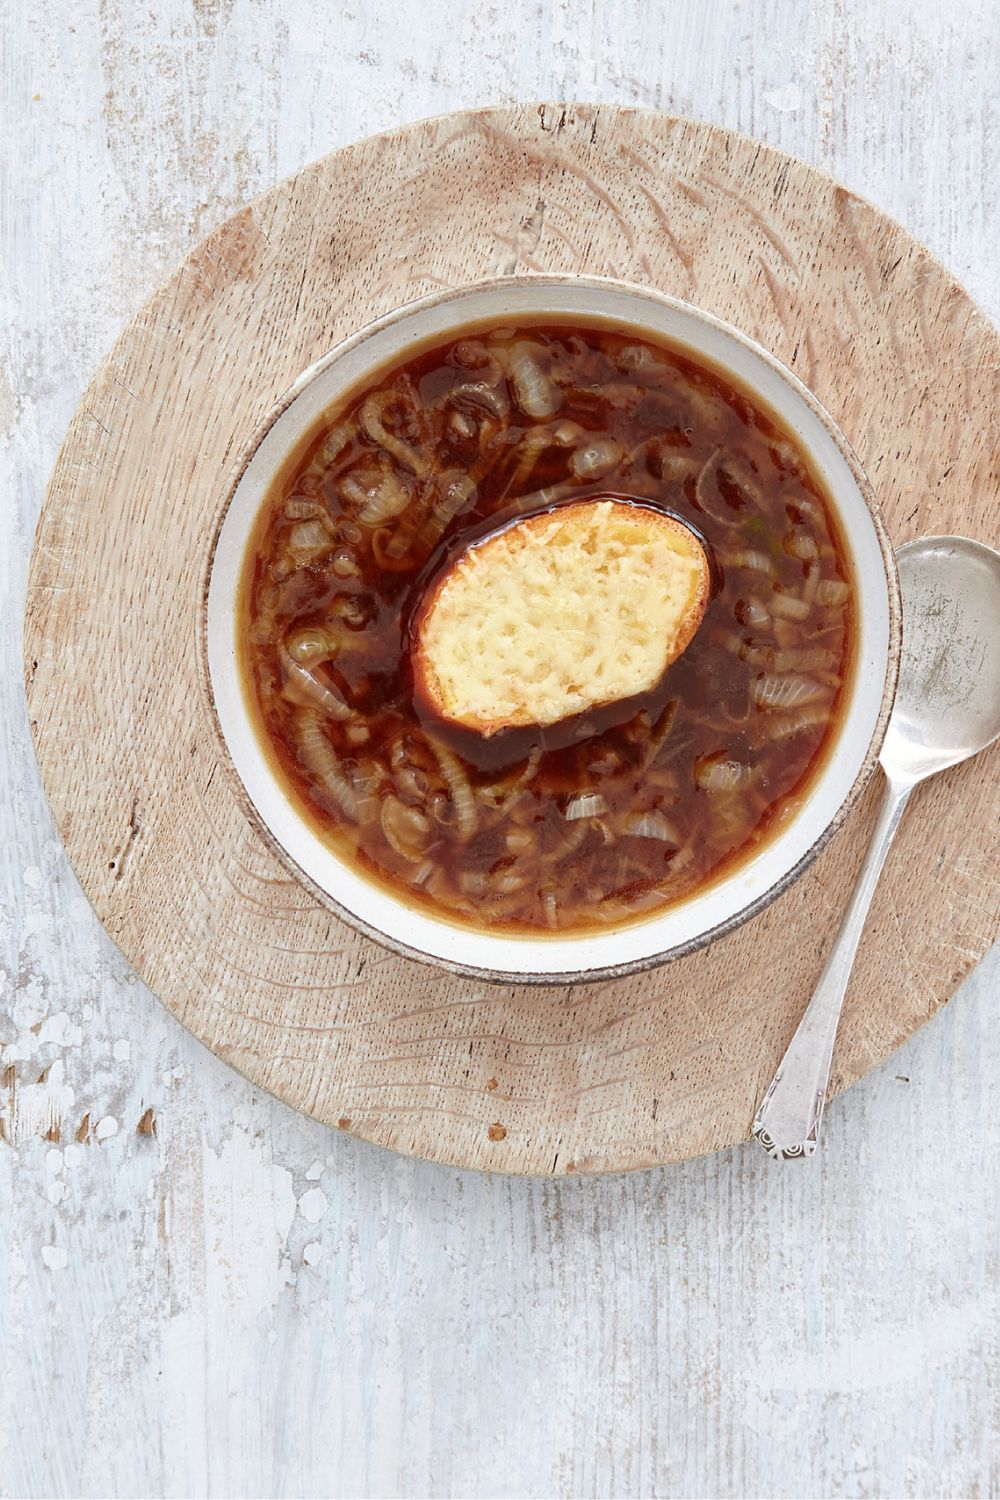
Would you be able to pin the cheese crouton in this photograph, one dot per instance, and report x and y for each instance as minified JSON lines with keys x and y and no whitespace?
{"x":559,"y":613}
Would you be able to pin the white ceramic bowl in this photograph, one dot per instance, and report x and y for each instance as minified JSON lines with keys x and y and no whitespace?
{"x":555,"y":959}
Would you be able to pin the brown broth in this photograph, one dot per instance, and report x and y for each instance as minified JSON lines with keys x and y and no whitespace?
{"x":665,"y":793}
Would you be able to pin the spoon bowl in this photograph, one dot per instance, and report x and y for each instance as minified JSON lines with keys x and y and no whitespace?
{"x":948,"y":700}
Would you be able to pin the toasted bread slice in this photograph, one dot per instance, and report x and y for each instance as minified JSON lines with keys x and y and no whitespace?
{"x":559,"y":613}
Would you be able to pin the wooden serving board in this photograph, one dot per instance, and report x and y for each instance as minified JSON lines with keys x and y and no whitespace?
{"x":600,"y":1077}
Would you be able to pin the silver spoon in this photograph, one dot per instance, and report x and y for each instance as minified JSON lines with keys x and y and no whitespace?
{"x":947,"y":708}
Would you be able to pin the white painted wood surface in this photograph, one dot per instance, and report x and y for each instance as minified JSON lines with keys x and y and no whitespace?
{"x":245,"y":1304}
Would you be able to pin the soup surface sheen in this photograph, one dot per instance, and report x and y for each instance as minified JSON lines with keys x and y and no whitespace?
{"x":602,"y":819}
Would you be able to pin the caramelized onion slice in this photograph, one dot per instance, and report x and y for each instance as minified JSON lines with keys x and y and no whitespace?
{"x":480,"y":393}
{"x":811,"y":716}
{"x":535,"y":394}
{"x":311,"y":645}
{"x":463,"y":801}
{"x":790,"y":606}
{"x":596,"y":459}
{"x":723,"y":773}
{"x":385,"y":500}
{"x":831,"y":593}
{"x":787,"y":690}
{"x":746,"y":557}
{"x":308,"y":540}
{"x":302,"y":686}
{"x":372,"y":424}
{"x":318,"y":757}
{"x":652,"y":825}
{"x":406,"y":828}
{"x":585,"y":805}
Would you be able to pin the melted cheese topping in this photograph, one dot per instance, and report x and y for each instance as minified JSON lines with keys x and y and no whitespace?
{"x":560,"y":613}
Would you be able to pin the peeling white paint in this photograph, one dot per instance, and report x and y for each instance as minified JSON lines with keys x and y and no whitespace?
{"x":37,"y":1109}
{"x":37,"y":922}
{"x":60,"y":1030}
{"x":787,"y":99}
{"x":313,"y":1205}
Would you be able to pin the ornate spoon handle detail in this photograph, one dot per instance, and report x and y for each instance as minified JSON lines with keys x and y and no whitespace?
{"x":788,"y":1120}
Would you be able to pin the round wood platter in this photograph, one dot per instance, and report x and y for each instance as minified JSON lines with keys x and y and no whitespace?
{"x":605,"y":1077}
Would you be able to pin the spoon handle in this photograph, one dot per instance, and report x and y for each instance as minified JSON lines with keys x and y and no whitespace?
{"x":788,"y":1120}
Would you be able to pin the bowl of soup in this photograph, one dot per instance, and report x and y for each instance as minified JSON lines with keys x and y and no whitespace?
{"x":520,"y":449}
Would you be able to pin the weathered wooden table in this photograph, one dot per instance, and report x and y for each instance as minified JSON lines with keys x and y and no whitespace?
{"x":209,"y":1295}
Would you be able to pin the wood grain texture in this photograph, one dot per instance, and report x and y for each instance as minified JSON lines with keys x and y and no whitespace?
{"x":605,"y":1077}
{"x":248,"y":1304}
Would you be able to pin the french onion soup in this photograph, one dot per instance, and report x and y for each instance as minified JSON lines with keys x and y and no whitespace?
{"x":546,"y":627}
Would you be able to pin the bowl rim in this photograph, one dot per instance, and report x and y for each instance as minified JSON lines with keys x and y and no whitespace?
{"x":643,"y":963}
